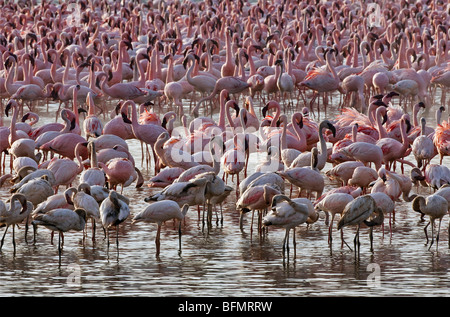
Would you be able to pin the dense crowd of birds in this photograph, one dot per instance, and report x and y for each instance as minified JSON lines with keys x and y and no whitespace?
{"x":206,"y":85}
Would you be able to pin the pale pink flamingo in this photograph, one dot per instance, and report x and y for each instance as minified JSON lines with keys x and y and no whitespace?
{"x":173,"y":90}
{"x":343,"y":171}
{"x":81,"y":197}
{"x":364,"y":152}
{"x":288,"y":214}
{"x":19,"y":143}
{"x":434,"y":206}
{"x":285,"y":82}
{"x":306,"y":178}
{"x":170,"y":154}
{"x":255,"y":80}
{"x":160,"y":212}
{"x":203,"y":84}
{"x":117,"y":126}
{"x":229,"y":66}
{"x":65,"y":169}
{"x":296,"y":141}
{"x":233,"y":161}
{"x":363,"y":176}
{"x":386,"y":204}
{"x":93,"y":175}
{"x":423,"y":147}
{"x":323,"y":81}
{"x":232,"y":84}
{"x":358,"y":211}
{"x":113,"y":212}
{"x":333,"y":204}
{"x":13,"y":214}
{"x":436,"y":175}
{"x":387,"y":184}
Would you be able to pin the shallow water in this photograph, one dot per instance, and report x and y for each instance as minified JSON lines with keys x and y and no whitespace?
{"x":222,"y":260}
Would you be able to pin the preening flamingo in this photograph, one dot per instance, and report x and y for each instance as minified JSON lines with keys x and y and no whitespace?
{"x":113,"y":211}
{"x":357,"y":212}
{"x":287,"y":214}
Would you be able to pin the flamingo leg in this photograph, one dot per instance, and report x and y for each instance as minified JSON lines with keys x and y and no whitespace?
{"x":14,"y":239}
{"x":3,"y":238}
{"x":157,"y":240}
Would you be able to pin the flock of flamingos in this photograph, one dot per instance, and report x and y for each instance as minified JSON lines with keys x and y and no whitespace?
{"x":205,"y":86}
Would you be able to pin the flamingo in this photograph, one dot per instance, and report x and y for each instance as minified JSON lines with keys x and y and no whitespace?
{"x":287,"y":214}
{"x":81,"y":198}
{"x":333,"y":204}
{"x":434,"y":206}
{"x":92,"y":125}
{"x":357,"y":212}
{"x":257,"y":197}
{"x":306,"y":178}
{"x":191,"y":192}
{"x":122,"y":91}
{"x":233,"y":160}
{"x":61,"y":220}
{"x":147,"y":133}
{"x":343,"y":171}
{"x":323,"y":81}
{"x":363,"y":176}
{"x":93,"y":175}
{"x":19,"y":145}
{"x":160,"y":212}
{"x":304,"y":159}
{"x":14,"y":213}
{"x":165,"y":177}
{"x":442,"y":140}
{"x":66,"y":170}
{"x":113,"y":212}
{"x":423,"y":147}
{"x":121,"y":171}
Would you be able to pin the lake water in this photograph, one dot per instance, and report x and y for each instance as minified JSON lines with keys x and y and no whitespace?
{"x":222,"y":261}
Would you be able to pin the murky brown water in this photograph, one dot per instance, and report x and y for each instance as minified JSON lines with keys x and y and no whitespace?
{"x":223,"y":261}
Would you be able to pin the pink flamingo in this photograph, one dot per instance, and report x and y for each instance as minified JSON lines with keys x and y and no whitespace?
{"x":92,"y":125}
{"x":123,"y":91}
{"x":165,"y":177}
{"x":19,"y":143}
{"x":233,"y":161}
{"x":147,"y":133}
{"x":394,"y":150}
{"x":442,"y":139}
{"x":232,"y":84}
{"x":255,"y":198}
{"x":117,"y":126}
{"x":323,"y":81}
{"x":65,"y":144}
